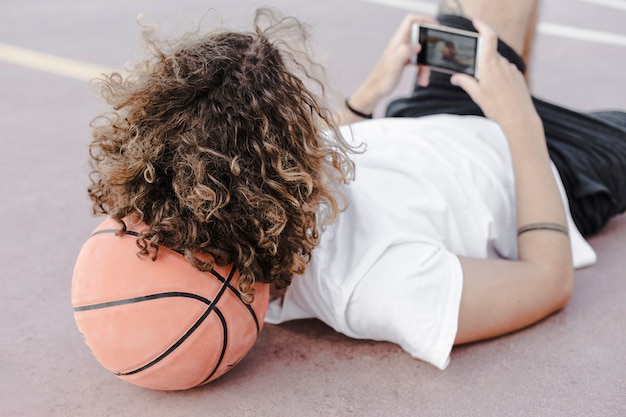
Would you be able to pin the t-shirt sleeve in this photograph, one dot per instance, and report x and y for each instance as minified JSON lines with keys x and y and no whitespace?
{"x":410,"y":295}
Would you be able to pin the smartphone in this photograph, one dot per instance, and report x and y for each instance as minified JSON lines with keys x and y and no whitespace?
{"x":447,"y":49}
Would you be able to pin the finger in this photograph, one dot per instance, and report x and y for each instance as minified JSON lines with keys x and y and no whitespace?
{"x":403,"y":33}
{"x":407,"y":53}
{"x":489,"y":37}
{"x":404,"y":30}
{"x":467,"y":83}
{"x":423,"y":76}
{"x":485,"y":30}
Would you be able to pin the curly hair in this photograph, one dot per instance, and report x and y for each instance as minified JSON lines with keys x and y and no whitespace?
{"x":219,"y":146}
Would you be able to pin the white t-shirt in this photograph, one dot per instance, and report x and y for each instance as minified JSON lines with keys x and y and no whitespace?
{"x":426,"y":190}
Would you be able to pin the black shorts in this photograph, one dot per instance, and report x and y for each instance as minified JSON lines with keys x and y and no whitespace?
{"x":588,"y":149}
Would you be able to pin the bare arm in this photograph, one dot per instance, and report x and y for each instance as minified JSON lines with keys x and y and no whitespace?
{"x":386,"y":74}
{"x":501,"y":296}
{"x":513,"y":20}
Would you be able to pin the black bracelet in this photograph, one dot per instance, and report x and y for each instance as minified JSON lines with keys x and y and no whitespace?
{"x":553,"y":227}
{"x":358,"y":113}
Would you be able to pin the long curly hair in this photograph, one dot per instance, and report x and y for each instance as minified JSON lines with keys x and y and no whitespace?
{"x":219,"y":144}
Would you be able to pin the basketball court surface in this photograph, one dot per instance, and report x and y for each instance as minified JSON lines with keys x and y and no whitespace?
{"x":571,"y":364}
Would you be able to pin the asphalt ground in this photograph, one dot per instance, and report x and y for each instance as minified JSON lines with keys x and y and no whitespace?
{"x":573,"y":363}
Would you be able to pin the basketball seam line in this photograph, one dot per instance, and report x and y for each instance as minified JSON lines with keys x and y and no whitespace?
{"x":236,"y":292}
{"x":223,"y":353}
{"x":114,"y":231}
{"x":142,"y":298}
{"x":212,"y":271}
{"x":212,"y":307}
{"x":171,"y":348}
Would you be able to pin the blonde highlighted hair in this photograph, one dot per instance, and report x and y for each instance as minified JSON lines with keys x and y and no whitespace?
{"x":219,"y":144}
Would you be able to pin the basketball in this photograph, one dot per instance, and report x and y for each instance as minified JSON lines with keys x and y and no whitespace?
{"x":160,"y":324}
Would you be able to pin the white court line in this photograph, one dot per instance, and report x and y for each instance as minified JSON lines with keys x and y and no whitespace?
{"x":552,"y":29}
{"x":49,"y":63}
{"x":616,"y":4}
{"x":571,"y":32}
{"x":85,"y":72}
{"x":413,"y":5}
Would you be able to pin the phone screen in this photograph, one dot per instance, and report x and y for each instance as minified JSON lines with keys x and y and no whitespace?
{"x":450,"y":51}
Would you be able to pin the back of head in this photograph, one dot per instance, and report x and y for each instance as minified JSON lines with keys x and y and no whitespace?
{"x":217,"y":143}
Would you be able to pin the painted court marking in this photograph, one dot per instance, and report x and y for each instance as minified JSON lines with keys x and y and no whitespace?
{"x":552,"y":29}
{"x":70,"y":68}
{"x":616,"y":4}
{"x":85,"y":71}
{"x":413,"y":5}
{"x":571,"y":32}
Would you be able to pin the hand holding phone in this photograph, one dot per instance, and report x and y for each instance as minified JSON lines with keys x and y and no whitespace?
{"x":447,"y":49}
{"x":502,"y":92}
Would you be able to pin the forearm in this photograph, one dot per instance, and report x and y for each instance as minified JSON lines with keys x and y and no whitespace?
{"x":503,"y":96}
{"x":386,"y":74}
{"x":500,"y":296}
{"x":362,"y":102}
{"x":538,"y":198}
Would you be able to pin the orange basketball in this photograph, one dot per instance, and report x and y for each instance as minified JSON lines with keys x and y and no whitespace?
{"x":160,"y":324}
